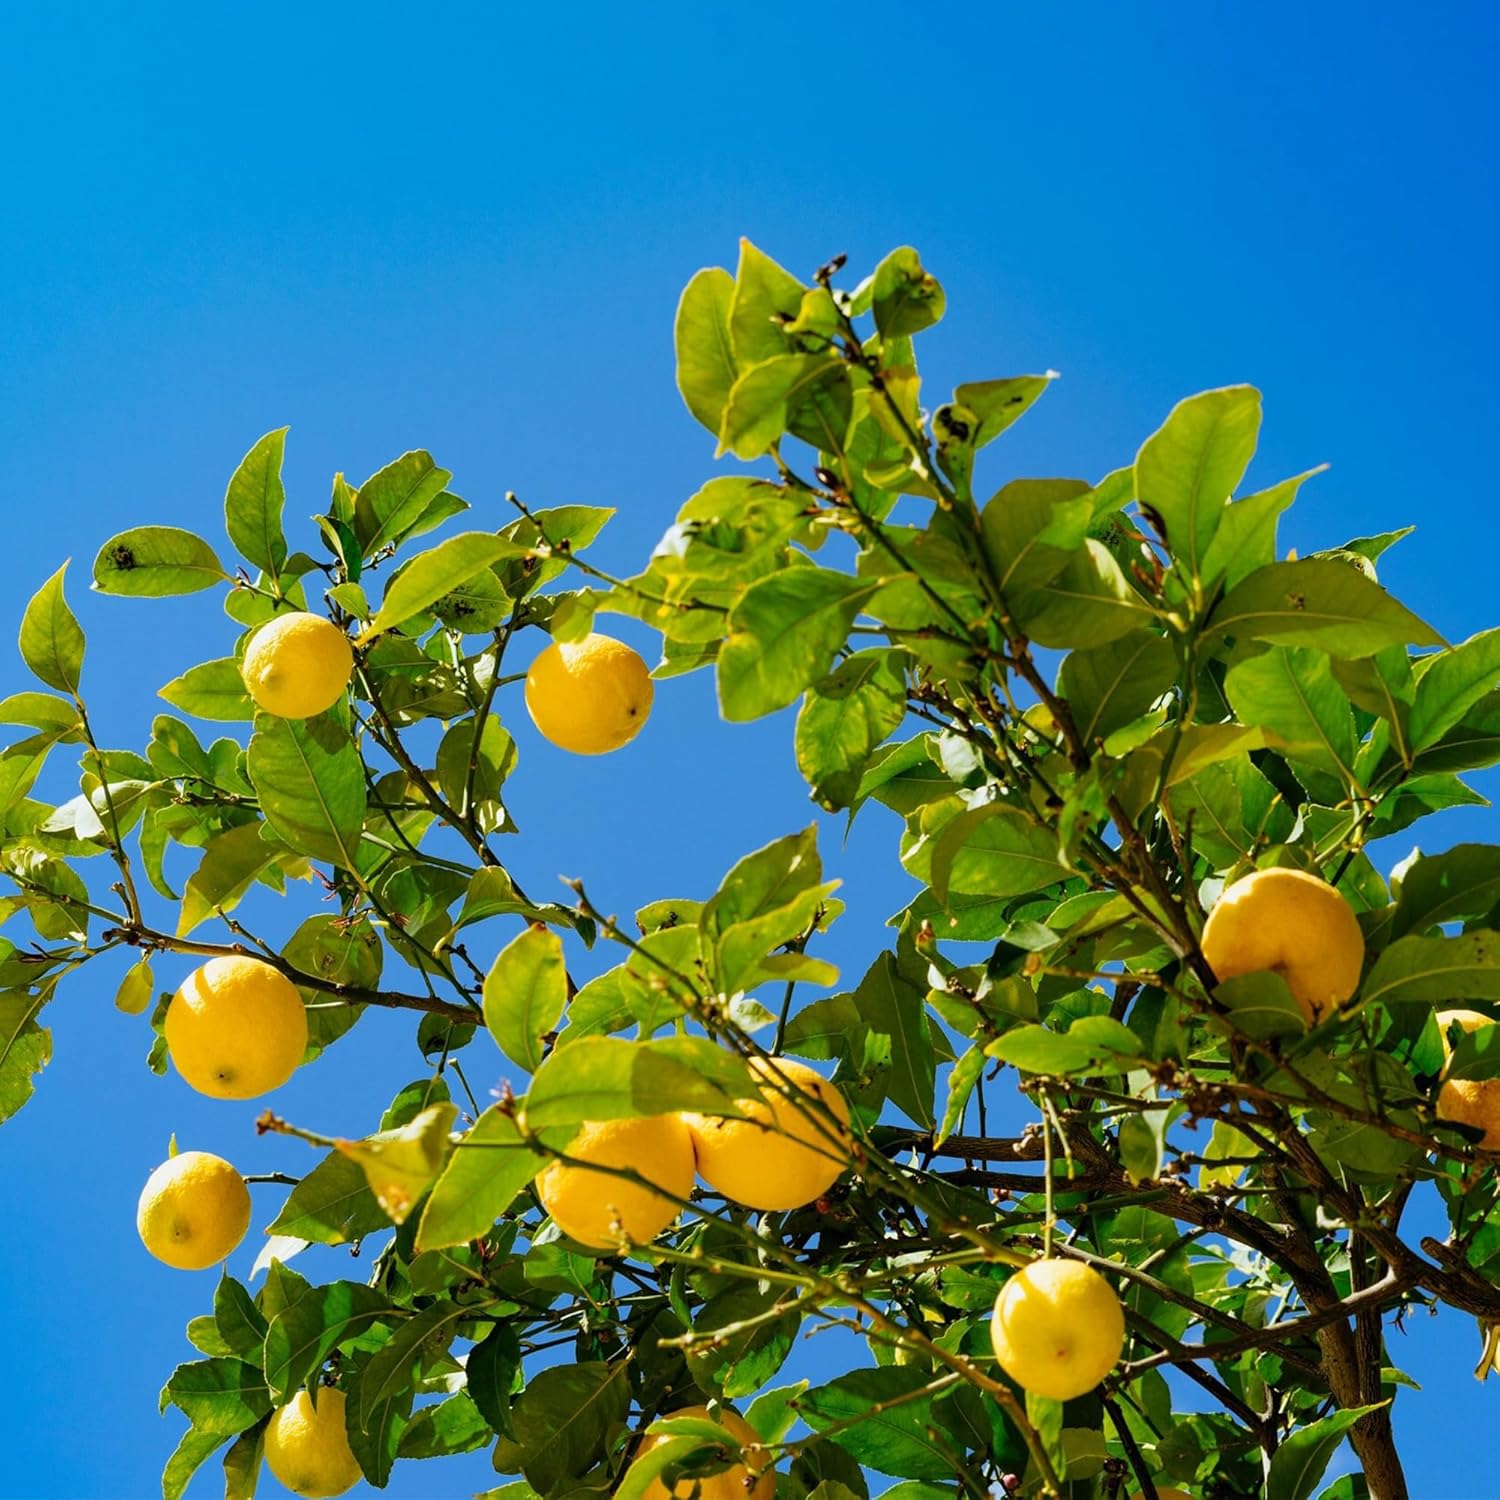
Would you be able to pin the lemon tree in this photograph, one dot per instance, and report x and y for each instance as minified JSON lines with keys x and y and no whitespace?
{"x":1173,"y":1088}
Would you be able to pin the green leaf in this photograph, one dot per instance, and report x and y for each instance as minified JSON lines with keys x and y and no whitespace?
{"x":844,"y":717}
{"x":1246,"y":538}
{"x":603,"y":1078}
{"x":906,"y":298}
{"x":41,"y":711}
{"x":765,"y":296}
{"x":445,"y":1428}
{"x":1112,"y":685}
{"x":1142,"y":1138}
{"x":965,"y":1074}
{"x":1088,"y":604}
{"x":1318,"y":602}
{"x":783,"y":634}
{"x":310,"y":781}
{"x":755,"y":415}
{"x":242,"y":1464}
{"x":332,"y":1205}
{"x":494,"y":759}
{"x":486,"y":1170}
{"x":889,"y":1004}
{"x":380,"y":1395}
{"x":490,"y":1374}
{"x":213,"y":690}
{"x":705,"y":359}
{"x":305,"y":1332}
{"x":137,"y":989}
{"x":238,"y":1320}
{"x":1298,"y":1464}
{"x":1292,"y":695}
{"x":393,"y":501}
{"x":896,"y":1440}
{"x":1463,"y":882}
{"x":998,"y":403}
{"x":222,"y":1396}
{"x":993,"y":849}
{"x":25,"y":1048}
{"x":253,"y":504}
{"x":736,"y":1355}
{"x":524,"y":994}
{"x":51,"y":637}
{"x":1031,"y":528}
{"x":1261,"y":1005}
{"x":1188,"y":469}
{"x":564,"y":1420}
{"x":191,"y":1453}
{"x":154,"y":561}
{"x":1091,"y":1044}
{"x":401,"y":1164}
{"x":231,"y":861}
{"x":1451,"y":684}
{"x":1436,"y":970}
{"x":433,"y":574}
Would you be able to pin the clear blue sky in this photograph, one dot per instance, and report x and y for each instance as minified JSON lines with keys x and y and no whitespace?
{"x":465,"y":227}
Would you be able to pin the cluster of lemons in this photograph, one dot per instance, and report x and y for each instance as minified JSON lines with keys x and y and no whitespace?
{"x":236,"y":1029}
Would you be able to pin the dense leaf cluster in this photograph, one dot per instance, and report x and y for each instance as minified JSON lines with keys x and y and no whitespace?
{"x":1089,"y":704}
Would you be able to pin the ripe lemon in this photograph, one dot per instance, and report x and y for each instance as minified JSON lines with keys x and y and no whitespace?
{"x":752,"y":1479}
{"x":784,"y":1153}
{"x":307,"y":1448}
{"x":1058,"y":1328}
{"x":1295,"y":925}
{"x":1164,"y":1494}
{"x":236,"y":1028}
{"x":1469,"y":1101}
{"x":194,"y":1210}
{"x":297,"y":665}
{"x":589,"y":696}
{"x":601,"y":1209}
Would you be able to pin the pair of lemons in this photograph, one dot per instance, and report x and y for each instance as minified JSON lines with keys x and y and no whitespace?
{"x":787,"y":1150}
{"x":588,"y":696}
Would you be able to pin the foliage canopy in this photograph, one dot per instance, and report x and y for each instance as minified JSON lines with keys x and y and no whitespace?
{"x":1089,"y":705}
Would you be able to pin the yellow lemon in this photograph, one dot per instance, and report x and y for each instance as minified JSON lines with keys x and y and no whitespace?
{"x":1469,"y":1101}
{"x":1164,"y":1494}
{"x":1293,"y":924}
{"x":297,"y":665}
{"x":236,"y":1028}
{"x":752,"y":1479}
{"x":194,"y":1210}
{"x":1058,"y":1328}
{"x":307,"y":1448}
{"x":602,"y":1209}
{"x":785,"y":1152}
{"x":589,"y":696}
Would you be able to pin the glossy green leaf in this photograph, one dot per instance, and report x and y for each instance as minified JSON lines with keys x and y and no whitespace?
{"x":1031,"y":528}
{"x":756,"y":413}
{"x":705,"y":359}
{"x":1246,"y":535}
{"x":51,"y":637}
{"x":765,"y":298}
{"x":1291,"y":694}
{"x":524,"y":994}
{"x":222,"y":1396}
{"x":213,"y":690}
{"x":890,"y":1005}
{"x":1298,"y":1464}
{"x":863,"y":1416}
{"x":155,"y":561}
{"x":844,"y":717}
{"x":305,"y":1332}
{"x":998,"y":403}
{"x":1088,"y":604}
{"x":254,"y":501}
{"x":231,"y":862}
{"x":905,"y":298}
{"x":1451,"y":684}
{"x":1112,"y":685}
{"x":1318,"y":602}
{"x":433,"y":574}
{"x":1187,"y":470}
{"x":332,"y":1205}
{"x":310,"y":782}
{"x":25,"y":1048}
{"x":783,"y":634}
{"x":391,"y":502}
{"x":1436,"y":970}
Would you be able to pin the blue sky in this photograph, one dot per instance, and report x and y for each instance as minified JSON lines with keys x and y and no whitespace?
{"x":466,"y":229}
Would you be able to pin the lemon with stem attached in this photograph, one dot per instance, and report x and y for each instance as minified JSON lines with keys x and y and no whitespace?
{"x":297,"y":665}
{"x":1295,"y":925}
{"x":589,"y":696}
{"x":193,"y":1211}
{"x":236,"y":1029}
{"x":307,"y":1446}
{"x":1058,"y":1328}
